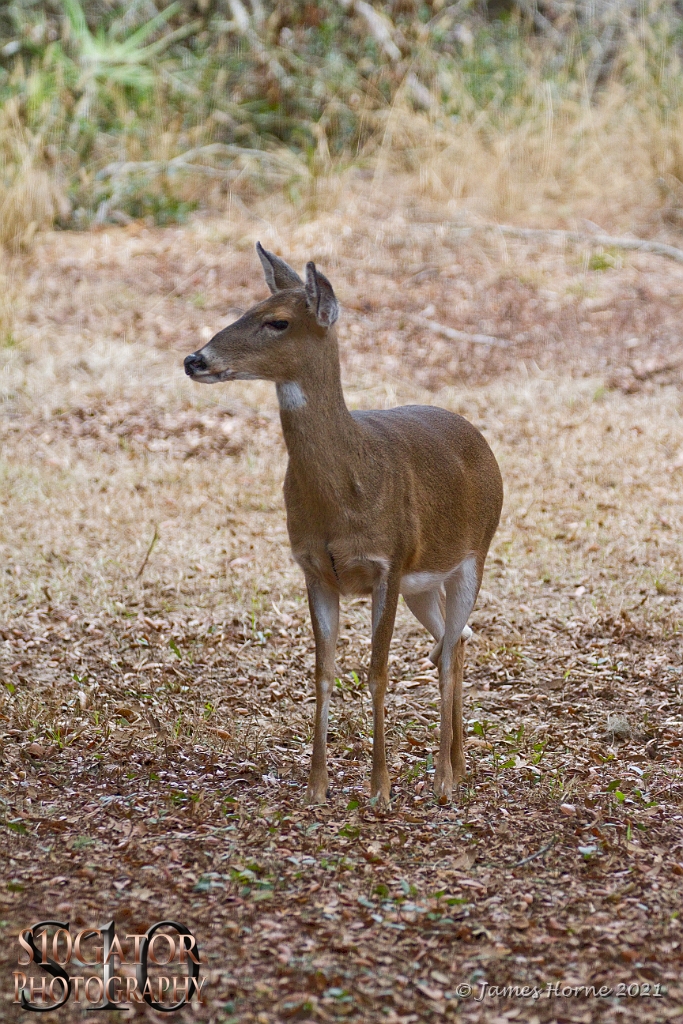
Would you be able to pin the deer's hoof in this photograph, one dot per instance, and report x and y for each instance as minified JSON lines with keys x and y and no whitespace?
{"x":316,"y":793}
{"x":443,"y":788}
{"x":381,"y":795}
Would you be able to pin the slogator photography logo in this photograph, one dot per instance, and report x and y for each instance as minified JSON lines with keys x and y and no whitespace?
{"x":156,"y":967}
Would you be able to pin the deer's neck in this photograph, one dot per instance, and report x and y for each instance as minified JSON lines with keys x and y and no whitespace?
{"x":319,"y":431}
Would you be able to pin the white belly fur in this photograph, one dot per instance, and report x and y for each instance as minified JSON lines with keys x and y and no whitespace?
{"x":427,"y":582}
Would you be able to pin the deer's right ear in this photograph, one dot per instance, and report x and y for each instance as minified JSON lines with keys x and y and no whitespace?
{"x":279,"y":275}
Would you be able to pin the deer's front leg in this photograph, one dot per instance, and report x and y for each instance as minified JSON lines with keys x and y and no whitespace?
{"x":384,"y":603}
{"x":457,"y":740}
{"x":324,"y":606}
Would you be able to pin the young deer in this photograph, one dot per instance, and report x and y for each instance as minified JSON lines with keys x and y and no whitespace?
{"x":402,"y":501}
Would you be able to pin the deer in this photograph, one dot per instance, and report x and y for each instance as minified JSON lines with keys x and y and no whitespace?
{"x":401,"y":501}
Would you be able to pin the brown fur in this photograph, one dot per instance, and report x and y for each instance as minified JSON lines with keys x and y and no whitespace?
{"x":371,"y":498}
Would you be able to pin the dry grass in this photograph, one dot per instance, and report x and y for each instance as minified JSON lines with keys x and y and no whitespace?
{"x":544,"y":161}
{"x":544,"y":154}
{"x":8,"y":302}
{"x":28,"y":203}
{"x":30,"y":196}
{"x":157,"y":727}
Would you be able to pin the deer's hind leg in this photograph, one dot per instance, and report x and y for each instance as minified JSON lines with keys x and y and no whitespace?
{"x":429,"y":609}
{"x":457,"y":740}
{"x":461,"y":593}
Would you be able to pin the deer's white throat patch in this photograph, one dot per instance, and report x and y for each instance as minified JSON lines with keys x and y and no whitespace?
{"x":290,"y":396}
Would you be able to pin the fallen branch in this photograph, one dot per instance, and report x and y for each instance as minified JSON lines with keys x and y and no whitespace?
{"x":578,"y":237}
{"x":453,"y":335}
{"x":184,"y":161}
{"x":635,"y":244}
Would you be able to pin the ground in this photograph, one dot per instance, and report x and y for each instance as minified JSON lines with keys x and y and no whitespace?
{"x":156,"y":653}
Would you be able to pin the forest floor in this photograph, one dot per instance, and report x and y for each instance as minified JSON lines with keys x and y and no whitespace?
{"x":155,"y":719}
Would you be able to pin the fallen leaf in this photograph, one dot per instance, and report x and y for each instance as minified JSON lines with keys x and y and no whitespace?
{"x":39,"y":751}
{"x":222,"y":734}
{"x":432,"y":993}
{"x":520,"y":923}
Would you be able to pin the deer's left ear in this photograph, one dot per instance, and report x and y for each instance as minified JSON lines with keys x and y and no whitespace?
{"x":320,"y":297}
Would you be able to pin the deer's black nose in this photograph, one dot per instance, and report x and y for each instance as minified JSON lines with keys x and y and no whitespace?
{"x":194,"y":364}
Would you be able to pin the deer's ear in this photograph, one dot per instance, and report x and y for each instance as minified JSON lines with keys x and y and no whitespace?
{"x":320,"y":297}
{"x":279,"y":275}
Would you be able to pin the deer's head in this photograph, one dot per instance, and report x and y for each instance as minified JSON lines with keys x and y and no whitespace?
{"x":276,"y":338}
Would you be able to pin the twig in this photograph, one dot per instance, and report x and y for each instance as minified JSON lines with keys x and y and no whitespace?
{"x":155,"y":538}
{"x":664,"y":368}
{"x":450,"y":332}
{"x":600,"y":59}
{"x":540,"y":21}
{"x":452,"y":9}
{"x":380,"y":26}
{"x":535,"y":856}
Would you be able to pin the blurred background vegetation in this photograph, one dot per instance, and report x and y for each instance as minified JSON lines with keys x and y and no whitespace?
{"x":540,"y":111}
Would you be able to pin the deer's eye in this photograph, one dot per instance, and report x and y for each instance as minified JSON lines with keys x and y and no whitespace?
{"x":277,"y":325}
